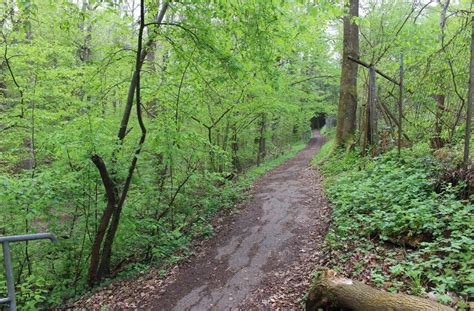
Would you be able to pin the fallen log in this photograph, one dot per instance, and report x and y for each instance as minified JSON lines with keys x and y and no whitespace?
{"x":333,"y":292}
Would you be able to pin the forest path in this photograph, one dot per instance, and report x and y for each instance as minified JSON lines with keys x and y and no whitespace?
{"x":264,"y":257}
{"x":260,"y":258}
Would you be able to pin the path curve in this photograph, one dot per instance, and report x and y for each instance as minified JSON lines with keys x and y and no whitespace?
{"x":251,"y":263}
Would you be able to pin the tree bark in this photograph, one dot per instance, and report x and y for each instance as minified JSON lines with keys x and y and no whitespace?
{"x":235,"y":149}
{"x":133,"y":82}
{"x":372,"y":110}
{"x":112,"y":198}
{"x":346,"y":117}
{"x":467,"y":138}
{"x":400,"y":107}
{"x":262,"y":140}
{"x":437,"y":141}
{"x":332,"y":292}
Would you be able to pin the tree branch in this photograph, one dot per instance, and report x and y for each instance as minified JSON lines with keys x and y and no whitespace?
{"x":141,"y":55}
{"x":311,"y":78}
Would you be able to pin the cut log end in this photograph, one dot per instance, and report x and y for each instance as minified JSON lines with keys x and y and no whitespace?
{"x":333,"y":292}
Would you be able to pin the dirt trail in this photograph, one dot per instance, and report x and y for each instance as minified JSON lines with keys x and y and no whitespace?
{"x":280,"y":229}
{"x":260,"y":258}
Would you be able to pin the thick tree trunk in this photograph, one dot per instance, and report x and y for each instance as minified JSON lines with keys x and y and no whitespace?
{"x":332,"y":292}
{"x":346,"y":116}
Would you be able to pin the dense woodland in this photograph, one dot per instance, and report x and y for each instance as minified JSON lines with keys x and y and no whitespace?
{"x":126,"y":125}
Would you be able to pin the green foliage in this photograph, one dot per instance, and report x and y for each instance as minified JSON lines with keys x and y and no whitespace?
{"x":341,"y":162}
{"x":436,"y":62}
{"x":212,"y":89}
{"x":392,"y":201}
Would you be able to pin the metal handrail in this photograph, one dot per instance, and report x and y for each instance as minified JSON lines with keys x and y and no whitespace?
{"x":5,"y":240}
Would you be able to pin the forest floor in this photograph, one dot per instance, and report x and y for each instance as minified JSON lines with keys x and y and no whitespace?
{"x":260,"y":258}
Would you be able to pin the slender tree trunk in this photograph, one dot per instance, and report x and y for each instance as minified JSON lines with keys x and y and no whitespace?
{"x":372,"y":109}
{"x":440,"y":98}
{"x":84,"y":50}
{"x":112,"y":198}
{"x":100,"y":260}
{"x":467,"y":139}
{"x":346,"y":117}
{"x":235,"y":149}
{"x":369,"y":140}
{"x":364,"y":127}
{"x":225,"y":142}
{"x":400,"y":108}
{"x":261,"y":140}
{"x":436,"y":141}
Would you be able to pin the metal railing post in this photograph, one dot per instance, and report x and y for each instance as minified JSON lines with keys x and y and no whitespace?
{"x":5,"y":240}
{"x":9,"y":273}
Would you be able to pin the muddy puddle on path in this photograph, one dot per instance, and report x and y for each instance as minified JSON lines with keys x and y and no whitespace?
{"x":264,"y":257}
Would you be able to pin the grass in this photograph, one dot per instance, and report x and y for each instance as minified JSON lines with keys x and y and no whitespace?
{"x":328,"y":148}
{"x":325,"y":153}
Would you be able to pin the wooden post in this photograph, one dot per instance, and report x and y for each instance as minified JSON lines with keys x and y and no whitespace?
{"x":372,"y":109}
{"x":470,"y":95}
{"x":400,"y":107}
{"x":365,"y":128}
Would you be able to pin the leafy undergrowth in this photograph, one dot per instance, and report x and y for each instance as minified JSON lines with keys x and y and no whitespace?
{"x":392,"y":230}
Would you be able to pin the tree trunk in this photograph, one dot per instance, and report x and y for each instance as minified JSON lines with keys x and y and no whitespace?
{"x":373,"y":139}
{"x":332,"y":292}
{"x":101,"y":252}
{"x":112,"y":199}
{"x":84,"y":51}
{"x":235,"y":149}
{"x":467,"y":139}
{"x":346,"y":116}
{"x":436,"y":141}
{"x":400,"y":107}
{"x":261,"y":140}
{"x":225,"y":142}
